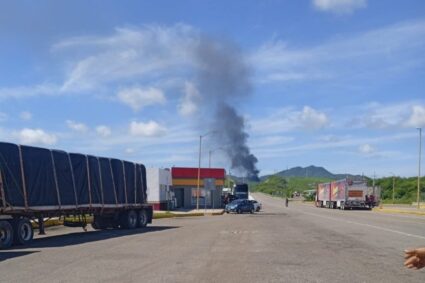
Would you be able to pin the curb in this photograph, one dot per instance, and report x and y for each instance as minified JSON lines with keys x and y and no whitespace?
{"x":174,"y":215}
{"x":384,"y":210}
{"x":58,"y":222}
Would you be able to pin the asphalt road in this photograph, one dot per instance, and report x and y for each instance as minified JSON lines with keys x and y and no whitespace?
{"x":296,"y":244}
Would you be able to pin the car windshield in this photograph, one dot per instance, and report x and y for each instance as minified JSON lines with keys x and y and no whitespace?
{"x":236,"y":201}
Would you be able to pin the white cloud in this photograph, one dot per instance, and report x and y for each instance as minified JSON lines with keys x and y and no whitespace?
{"x":103,"y":131}
{"x":268,"y":141}
{"x":78,"y":127}
{"x":366,"y":149}
{"x":346,"y":142}
{"x":369,"y":54}
{"x":407,"y":114}
{"x":330,"y":138}
{"x":339,"y":6}
{"x":189,"y":103}
{"x":35,"y":136}
{"x":28,"y":91}
{"x":417,"y":117}
{"x":289,"y":119}
{"x":137,"y":98}
{"x":25,"y":115}
{"x":129,"y":150}
{"x":149,"y":129}
{"x":313,"y":119}
{"x":149,"y":52}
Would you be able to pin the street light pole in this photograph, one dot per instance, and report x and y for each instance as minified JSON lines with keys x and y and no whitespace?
{"x":209,"y":159}
{"x":199,"y":172}
{"x":419,"y":168}
{"x":199,"y":167}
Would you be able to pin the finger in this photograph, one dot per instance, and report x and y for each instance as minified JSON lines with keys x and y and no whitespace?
{"x":408,"y":256}
{"x":412,"y":266}
{"x":410,"y":252}
{"x":411,"y":260}
{"x":420,"y":251}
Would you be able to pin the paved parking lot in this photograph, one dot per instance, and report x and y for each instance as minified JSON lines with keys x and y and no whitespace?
{"x":296,"y":244}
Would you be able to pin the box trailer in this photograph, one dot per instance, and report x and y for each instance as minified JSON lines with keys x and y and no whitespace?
{"x":346,"y":194}
{"x":241,"y":191}
{"x":37,"y":183}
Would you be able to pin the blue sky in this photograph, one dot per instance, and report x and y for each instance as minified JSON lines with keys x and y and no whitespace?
{"x":335,"y":83}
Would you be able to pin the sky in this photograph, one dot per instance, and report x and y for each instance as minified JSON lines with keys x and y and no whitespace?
{"x":332,"y":83}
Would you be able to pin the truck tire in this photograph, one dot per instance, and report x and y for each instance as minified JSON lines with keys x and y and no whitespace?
{"x":6,"y":234}
{"x":22,"y":231}
{"x":142,"y":220}
{"x":99,"y":223}
{"x":129,"y":219}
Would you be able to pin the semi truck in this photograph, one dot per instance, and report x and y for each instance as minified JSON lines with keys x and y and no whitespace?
{"x":241,"y":191}
{"x":38,"y":183}
{"x":347,"y":194}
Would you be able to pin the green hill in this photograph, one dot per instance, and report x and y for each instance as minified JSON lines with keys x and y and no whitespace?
{"x":310,"y":172}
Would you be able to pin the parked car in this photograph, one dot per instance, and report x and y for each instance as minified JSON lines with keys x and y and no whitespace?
{"x":257,"y":205}
{"x":240,"y":206}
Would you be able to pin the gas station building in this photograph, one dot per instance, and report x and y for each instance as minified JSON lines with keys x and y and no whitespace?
{"x":185,"y":187}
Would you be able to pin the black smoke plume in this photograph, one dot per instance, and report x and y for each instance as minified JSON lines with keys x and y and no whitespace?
{"x":224,"y":81}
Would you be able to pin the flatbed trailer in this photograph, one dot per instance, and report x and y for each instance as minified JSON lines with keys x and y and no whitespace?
{"x":38,"y":183}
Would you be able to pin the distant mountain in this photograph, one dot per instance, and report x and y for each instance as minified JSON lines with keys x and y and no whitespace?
{"x":311,"y":171}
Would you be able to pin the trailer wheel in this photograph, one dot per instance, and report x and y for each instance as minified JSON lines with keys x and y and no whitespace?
{"x":129,"y":219}
{"x":142,"y":219}
{"x":23,"y":232}
{"x":99,"y":223}
{"x":6,"y":234}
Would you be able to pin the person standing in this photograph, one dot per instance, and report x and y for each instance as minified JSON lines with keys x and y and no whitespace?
{"x":286,"y":202}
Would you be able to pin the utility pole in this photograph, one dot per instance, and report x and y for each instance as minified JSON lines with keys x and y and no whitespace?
{"x":199,"y":168}
{"x":419,"y":168}
{"x":199,"y":173}
{"x":393,"y":187}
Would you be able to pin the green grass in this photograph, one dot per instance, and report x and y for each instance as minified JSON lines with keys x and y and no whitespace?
{"x":405,"y":189}
{"x":285,"y":186}
{"x":157,"y":215}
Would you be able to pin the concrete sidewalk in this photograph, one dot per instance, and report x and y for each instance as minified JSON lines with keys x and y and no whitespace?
{"x":193,"y":211}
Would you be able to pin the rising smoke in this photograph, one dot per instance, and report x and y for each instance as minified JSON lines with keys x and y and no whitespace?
{"x":223,"y":81}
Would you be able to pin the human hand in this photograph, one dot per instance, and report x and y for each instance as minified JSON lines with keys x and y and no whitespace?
{"x":414,"y":258}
